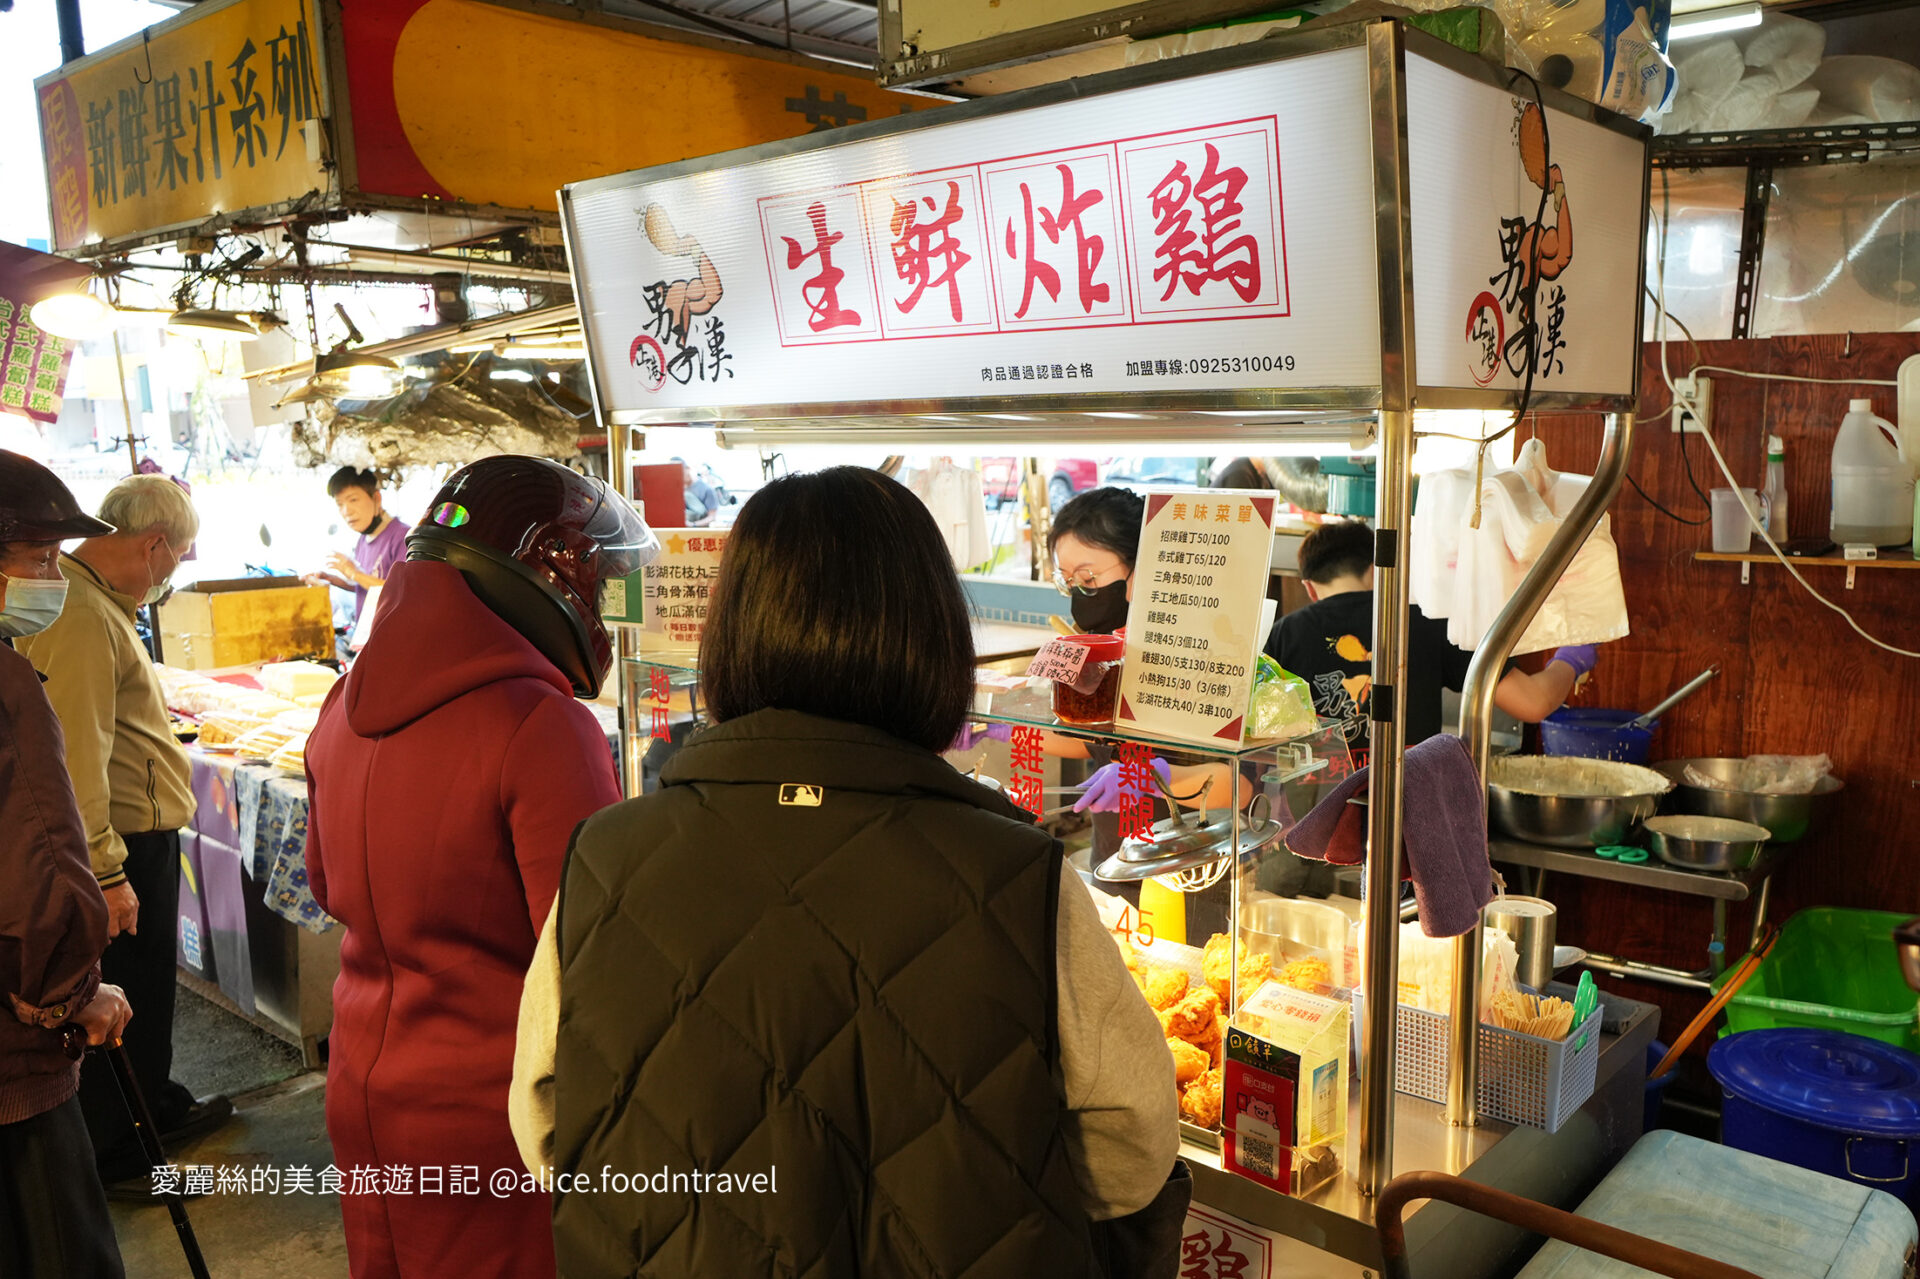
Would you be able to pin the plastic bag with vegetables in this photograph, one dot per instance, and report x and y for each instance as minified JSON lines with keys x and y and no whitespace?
{"x":1282,"y":704}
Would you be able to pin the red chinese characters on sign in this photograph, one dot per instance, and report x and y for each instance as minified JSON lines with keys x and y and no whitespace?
{"x":1214,"y":1246}
{"x":929,"y":233}
{"x":1026,"y":773}
{"x":818,"y":252}
{"x":1055,"y":223}
{"x":1137,"y":779}
{"x":1203,"y":210}
{"x":1057,"y":239}
{"x":822,"y":291}
{"x":926,"y":252}
{"x":1176,"y":226}
{"x":1185,"y":256}
{"x":660,"y":692}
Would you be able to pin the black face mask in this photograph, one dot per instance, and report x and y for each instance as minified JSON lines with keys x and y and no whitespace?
{"x":1104,"y":611}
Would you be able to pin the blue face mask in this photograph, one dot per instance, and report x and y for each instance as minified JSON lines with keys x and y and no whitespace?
{"x":31,"y":605}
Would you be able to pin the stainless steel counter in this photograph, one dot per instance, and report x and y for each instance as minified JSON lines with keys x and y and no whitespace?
{"x":1446,"y":1242}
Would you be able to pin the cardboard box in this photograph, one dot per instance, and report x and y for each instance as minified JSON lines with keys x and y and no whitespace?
{"x":245,"y":620}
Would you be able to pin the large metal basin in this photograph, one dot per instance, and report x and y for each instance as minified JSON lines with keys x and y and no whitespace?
{"x":1786,"y":817}
{"x":1568,"y":821}
{"x":1551,"y":800}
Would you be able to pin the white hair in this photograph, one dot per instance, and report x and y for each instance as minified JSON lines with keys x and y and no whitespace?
{"x":143,"y":503}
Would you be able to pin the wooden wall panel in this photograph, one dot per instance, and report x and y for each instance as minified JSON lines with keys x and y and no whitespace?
{"x":1795,"y":679}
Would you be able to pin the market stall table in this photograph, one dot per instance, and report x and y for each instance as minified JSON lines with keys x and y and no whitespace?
{"x":248,"y":925}
{"x":250,"y":933}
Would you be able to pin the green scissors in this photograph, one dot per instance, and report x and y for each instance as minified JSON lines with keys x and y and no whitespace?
{"x":1626,"y":854}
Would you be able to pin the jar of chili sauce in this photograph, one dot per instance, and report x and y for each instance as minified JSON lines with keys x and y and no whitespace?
{"x":1100,"y":675}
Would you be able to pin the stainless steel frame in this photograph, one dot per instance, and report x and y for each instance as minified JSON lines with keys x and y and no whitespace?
{"x":1393,"y":510}
{"x":902,"y":63}
{"x":1476,"y":727}
{"x":1150,"y":417}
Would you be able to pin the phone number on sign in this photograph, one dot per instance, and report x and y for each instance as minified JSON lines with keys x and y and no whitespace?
{"x":1212,"y":364}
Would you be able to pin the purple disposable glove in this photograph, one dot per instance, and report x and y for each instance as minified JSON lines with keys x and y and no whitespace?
{"x":1582,"y":657}
{"x":971,"y":735}
{"x":1102,"y":794}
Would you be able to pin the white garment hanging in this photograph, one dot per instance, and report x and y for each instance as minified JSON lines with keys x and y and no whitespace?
{"x":958,"y":503}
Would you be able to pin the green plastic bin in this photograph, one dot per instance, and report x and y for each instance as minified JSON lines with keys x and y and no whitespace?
{"x":1832,"y":969}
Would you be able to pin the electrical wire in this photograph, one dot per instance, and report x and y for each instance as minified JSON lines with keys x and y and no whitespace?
{"x":1686,"y":401}
{"x":1648,"y":498}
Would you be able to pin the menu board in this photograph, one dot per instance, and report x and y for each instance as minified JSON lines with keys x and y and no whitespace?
{"x":1194,"y":626}
{"x":668,"y":598}
{"x":33,"y":363}
{"x":34,"y":373}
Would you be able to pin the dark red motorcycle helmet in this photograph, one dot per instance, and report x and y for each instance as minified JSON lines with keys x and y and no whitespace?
{"x":36,"y":507}
{"x":537,"y":542}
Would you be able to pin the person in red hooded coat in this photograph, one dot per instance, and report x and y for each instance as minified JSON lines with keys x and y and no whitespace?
{"x":448,"y":772}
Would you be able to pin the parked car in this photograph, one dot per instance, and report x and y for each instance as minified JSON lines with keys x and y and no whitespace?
{"x":1071,"y":477}
{"x":1067,"y":476}
{"x":1154,"y":472}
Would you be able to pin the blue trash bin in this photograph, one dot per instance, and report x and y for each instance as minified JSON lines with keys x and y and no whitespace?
{"x":1656,"y":1088}
{"x":1824,"y":1100}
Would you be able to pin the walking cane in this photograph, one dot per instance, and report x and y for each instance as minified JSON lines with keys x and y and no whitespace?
{"x":74,"y":1041}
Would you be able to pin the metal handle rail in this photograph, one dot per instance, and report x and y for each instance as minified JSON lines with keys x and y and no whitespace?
{"x":1476,"y":728}
{"x":1528,"y":1214}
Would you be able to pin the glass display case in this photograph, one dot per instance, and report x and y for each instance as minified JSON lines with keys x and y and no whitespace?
{"x":1235,"y":942}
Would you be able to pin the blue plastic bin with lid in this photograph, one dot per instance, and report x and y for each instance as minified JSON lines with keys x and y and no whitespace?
{"x":1823,"y":1100}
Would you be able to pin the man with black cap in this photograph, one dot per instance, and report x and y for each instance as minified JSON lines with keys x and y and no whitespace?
{"x":53,"y":919}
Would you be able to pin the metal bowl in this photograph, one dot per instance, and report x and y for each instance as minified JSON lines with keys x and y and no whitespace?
{"x":1567,"y":821}
{"x":1786,"y":817}
{"x":1695,"y":842}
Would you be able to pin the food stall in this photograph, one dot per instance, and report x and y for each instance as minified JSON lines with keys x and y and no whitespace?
{"x":1236,"y":252}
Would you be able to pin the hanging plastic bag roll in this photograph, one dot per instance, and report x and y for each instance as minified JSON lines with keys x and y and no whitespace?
{"x":1784,"y":47}
{"x":1880,"y":89}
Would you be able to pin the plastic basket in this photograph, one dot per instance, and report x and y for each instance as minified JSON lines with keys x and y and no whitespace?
{"x":1596,"y":734}
{"x":1832,"y":969}
{"x":1524,"y":1080}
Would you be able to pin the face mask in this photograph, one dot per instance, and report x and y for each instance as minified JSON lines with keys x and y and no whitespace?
{"x":31,"y":605}
{"x":162,"y":588}
{"x":1104,"y":611}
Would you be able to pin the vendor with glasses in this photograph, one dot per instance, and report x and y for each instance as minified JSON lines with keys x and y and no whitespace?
{"x":1093,"y":542}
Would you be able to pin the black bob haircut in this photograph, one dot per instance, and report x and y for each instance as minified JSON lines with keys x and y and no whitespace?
{"x":1338,"y":548}
{"x":837,"y":596}
{"x":348,"y":477}
{"x":1109,"y":518}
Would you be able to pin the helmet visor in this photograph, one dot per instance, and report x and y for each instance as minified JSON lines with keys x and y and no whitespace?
{"x":622,"y":541}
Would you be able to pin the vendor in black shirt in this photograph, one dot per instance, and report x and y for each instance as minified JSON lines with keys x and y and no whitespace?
{"x":1328,"y":644}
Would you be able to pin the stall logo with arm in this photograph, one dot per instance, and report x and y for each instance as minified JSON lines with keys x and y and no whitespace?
{"x":1502,"y":302}
{"x":684,"y":340}
{"x":1533,"y":255}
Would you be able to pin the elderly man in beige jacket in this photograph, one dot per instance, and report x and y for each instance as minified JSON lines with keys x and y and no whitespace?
{"x":134,"y":786}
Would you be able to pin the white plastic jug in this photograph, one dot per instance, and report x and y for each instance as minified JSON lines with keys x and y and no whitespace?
{"x":1872,"y":481}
